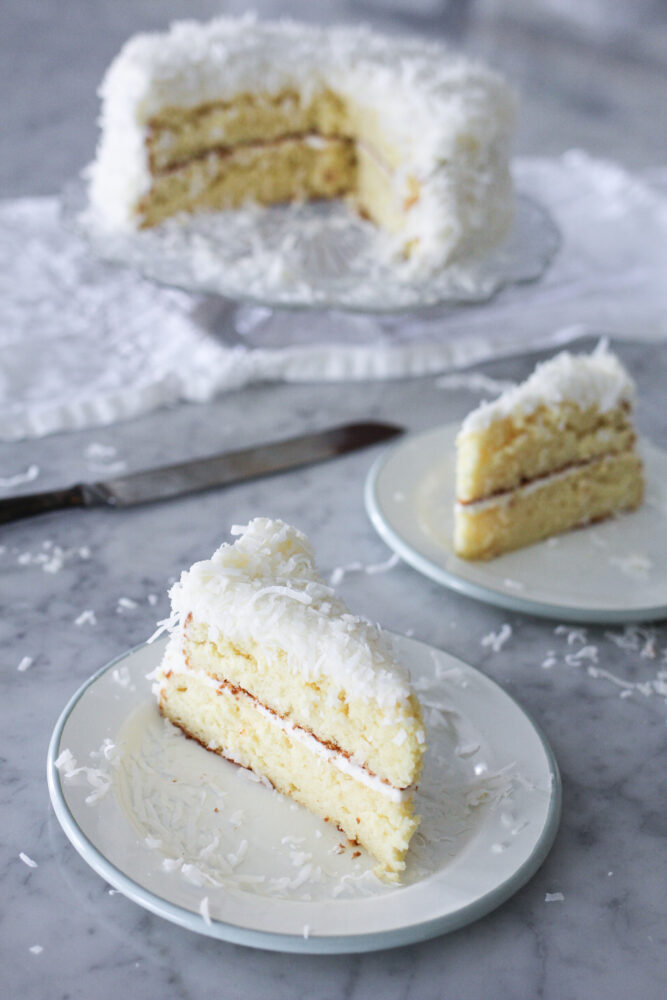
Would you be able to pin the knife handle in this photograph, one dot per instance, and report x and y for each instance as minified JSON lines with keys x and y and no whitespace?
{"x":15,"y":508}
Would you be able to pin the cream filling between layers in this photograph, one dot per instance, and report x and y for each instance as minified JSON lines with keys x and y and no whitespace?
{"x":315,"y":140}
{"x":499,"y":499}
{"x":178,"y":664}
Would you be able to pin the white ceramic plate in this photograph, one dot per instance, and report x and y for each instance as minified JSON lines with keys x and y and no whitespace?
{"x":614,"y":571}
{"x":194,"y":839}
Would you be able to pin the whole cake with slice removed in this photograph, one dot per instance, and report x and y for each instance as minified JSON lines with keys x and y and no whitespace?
{"x":267,"y":667}
{"x":554,"y":453}
{"x":214,"y":116}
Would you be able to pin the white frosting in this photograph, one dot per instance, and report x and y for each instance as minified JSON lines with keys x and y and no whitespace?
{"x":450,"y":116}
{"x":597,"y":379}
{"x":175,"y":661}
{"x":265,"y":588}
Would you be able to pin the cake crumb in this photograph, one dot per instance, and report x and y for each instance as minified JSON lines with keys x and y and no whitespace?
{"x":25,"y":663}
{"x":554,"y":897}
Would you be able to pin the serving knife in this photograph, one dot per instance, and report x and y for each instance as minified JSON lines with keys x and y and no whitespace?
{"x":198,"y":474}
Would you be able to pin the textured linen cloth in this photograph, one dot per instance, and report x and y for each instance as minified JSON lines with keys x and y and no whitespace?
{"x":84,"y":343}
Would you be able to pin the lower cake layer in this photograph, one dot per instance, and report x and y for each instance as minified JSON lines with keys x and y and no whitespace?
{"x":230,"y":722}
{"x":568,"y":499}
{"x":293,"y":168}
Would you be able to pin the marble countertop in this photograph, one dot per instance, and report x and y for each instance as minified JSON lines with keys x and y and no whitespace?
{"x":63,"y":933}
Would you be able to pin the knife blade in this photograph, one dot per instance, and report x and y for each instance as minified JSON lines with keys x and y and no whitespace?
{"x":198,"y":474}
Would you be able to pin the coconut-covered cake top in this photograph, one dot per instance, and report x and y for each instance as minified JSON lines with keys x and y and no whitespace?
{"x":598,"y":379}
{"x":265,"y":587}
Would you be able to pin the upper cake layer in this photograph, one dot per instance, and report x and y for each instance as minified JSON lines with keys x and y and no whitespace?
{"x":265,"y":588}
{"x":586,"y":380}
{"x":572,"y":409}
{"x":437,"y":119}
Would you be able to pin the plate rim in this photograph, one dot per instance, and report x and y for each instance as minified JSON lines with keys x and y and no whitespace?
{"x":292,"y":943}
{"x":477,"y":591}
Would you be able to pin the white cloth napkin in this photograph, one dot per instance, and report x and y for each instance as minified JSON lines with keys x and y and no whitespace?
{"x":84,"y":343}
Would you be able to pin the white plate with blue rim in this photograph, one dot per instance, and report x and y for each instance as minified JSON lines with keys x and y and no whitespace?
{"x":611,"y":571}
{"x":203,"y":843}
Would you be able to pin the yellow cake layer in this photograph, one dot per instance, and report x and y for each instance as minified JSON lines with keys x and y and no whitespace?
{"x":375,"y":194}
{"x":521,"y":447}
{"x":274,"y":148}
{"x":179,"y":134}
{"x":582,"y":494}
{"x":360,"y":727}
{"x":292,"y":169}
{"x":232,"y":724}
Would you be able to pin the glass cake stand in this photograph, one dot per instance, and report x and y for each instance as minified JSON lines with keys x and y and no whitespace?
{"x":314,"y":256}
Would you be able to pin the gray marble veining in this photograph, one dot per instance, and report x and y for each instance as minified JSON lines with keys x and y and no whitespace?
{"x":63,"y":934}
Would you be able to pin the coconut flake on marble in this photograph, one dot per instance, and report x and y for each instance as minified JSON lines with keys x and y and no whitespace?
{"x":573,"y":634}
{"x":126,"y":604}
{"x":585,"y":653}
{"x":496,"y":640}
{"x":87,"y":617}
{"x":20,"y":478}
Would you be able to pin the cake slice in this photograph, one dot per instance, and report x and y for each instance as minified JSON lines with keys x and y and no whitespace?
{"x":550,"y":454}
{"x":267,"y":667}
